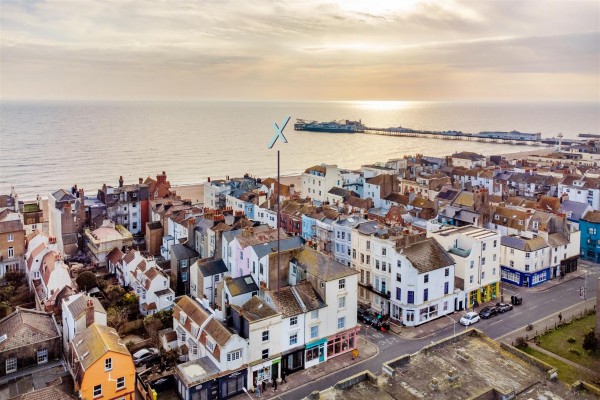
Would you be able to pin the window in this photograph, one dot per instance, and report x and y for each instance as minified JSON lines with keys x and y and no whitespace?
{"x":377,"y":264}
{"x":512,"y":251}
{"x":234,"y":355}
{"x":483,"y":247}
{"x":494,"y":271}
{"x":383,"y":266}
{"x":398,"y":278}
{"x":11,"y":365}
{"x":495,"y":243}
{"x":265,"y":353}
{"x":108,"y":364}
{"x":120,"y":383}
{"x":11,"y":252}
{"x":341,"y":322}
{"x":445,"y":306}
{"x":472,"y":264}
{"x":314,"y":332}
{"x":314,"y":314}
{"x":425,"y":294}
{"x":293,"y":321}
{"x":42,"y":356}
{"x":483,"y":261}
{"x":362,"y":258}
{"x":368,"y":259}
{"x":399,"y":264}
{"x":265,"y":336}
{"x":354,"y":253}
{"x":10,"y":237}
{"x":184,"y":276}
{"x":97,"y":390}
{"x":447,"y":272}
{"x":526,"y":267}
{"x":241,"y":255}
{"x":342,"y":302}
{"x":368,"y":245}
{"x":482,"y":275}
{"x":383,"y":251}
{"x":398,"y":293}
{"x":512,"y":264}
{"x":293,"y":339}
{"x":184,"y":263}
{"x":527,"y":255}
{"x":446,"y":287}
{"x":494,"y":258}
{"x":342,"y":283}
{"x":426,"y":278}
{"x":471,"y":279}
{"x":210,"y":346}
{"x":411,"y":297}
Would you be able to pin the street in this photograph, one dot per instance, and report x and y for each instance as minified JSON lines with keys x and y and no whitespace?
{"x":536,"y":305}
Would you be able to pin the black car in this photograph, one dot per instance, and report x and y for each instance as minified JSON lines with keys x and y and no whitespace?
{"x":488,"y":312}
{"x":163,"y":383}
{"x":503,"y":307}
{"x":365,"y":316}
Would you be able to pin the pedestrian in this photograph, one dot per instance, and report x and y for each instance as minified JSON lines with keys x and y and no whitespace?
{"x":264,"y":385}
{"x":258,"y":390}
{"x":283,"y":377}
{"x":274,"y":384}
{"x":559,"y":318}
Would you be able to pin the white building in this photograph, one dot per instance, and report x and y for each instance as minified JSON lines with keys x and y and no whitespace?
{"x":78,"y":312}
{"x":525,"y":261}
{"x":423,"y":284}
{"x":476,"y":253}
{"x":583,"y":189}
{"x":318,"y":180}
{"x":152,"y":287}
{"x":342,"y":238}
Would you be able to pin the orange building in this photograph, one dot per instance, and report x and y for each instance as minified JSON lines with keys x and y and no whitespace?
{"x":102,"y":365}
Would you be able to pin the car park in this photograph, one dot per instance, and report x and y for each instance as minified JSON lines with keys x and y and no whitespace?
{"x":469,"y":318}
{"x":145,"y":356}
{"x":503,"y":307}
{"x":488,"y":312}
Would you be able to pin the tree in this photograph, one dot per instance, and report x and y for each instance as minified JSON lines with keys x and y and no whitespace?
{"x":152,"y":326}
{"x":590,"y":341}
{"x":86,"y":280}
{"x":117,"y":317}
{"x":114,"y":293}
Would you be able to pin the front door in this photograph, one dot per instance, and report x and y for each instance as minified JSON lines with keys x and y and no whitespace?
{"x":526,"y":281}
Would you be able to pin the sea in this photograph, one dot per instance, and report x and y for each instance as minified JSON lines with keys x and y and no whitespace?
{"x":47,"y":145}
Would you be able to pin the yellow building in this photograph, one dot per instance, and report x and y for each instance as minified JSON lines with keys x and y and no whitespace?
{"x":102,"y":365}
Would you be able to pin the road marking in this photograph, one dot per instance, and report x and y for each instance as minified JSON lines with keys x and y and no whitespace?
{"x":517,"y":313}
{"x":493,"y":323}
{"x":531,"y":308}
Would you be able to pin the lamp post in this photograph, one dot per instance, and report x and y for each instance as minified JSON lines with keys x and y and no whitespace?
{"x":246,"y":391}
{"x":453,"y":323}
{"x":278,"y":134}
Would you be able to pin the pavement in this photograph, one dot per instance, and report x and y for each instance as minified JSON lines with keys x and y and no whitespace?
{"x":306,"y":377}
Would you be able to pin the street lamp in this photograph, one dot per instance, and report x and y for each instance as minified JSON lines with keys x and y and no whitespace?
{"x":278,"y":134}
{"x":453,"y":321}
{"x":246,"y":391}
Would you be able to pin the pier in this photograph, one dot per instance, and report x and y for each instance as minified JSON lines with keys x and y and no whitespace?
{"x":464,"y":136}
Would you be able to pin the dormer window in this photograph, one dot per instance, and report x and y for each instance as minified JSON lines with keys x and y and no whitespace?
{"x":182,"y":317}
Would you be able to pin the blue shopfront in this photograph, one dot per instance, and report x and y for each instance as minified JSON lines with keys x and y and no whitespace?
{"x":525,"y":279}
{"x":315,"y":352}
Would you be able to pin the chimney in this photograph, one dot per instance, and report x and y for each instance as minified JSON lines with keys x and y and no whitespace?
{"x":89,"y":312}
{"x":162,"y":178}
{"x":120,"y":181}
{"x":81,"y":193}
{"x":141,"y":180}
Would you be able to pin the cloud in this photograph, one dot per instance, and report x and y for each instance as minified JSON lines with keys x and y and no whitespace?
{"x":289,"y":49}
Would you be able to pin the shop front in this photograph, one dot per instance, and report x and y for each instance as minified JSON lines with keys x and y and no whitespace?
{"x":265,"y":371}
{"x":342,"y":342}
{"x":315,"y":352}
{"x":232,"y":384}
{"x":293,"y":360}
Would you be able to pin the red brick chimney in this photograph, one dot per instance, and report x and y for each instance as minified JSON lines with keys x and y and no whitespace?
{"x":89,"y":313}
{"x":162,"y":178}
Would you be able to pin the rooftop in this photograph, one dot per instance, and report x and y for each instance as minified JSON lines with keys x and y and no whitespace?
{"x":323,"y":267}
{"x":26,"y":328}
{"x":197,"y":371}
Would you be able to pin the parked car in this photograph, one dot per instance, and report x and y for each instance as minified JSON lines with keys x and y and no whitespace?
{"x":488,"y":312}
{"x":503,"y":307}
{"x":469,"y":318}
{"x":144,"y":356}
{"x":365,"y":316}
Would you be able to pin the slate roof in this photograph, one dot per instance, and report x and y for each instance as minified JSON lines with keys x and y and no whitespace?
{"x":241,"y":285}
{"x":181,"y":252}
{"x":557,"y":239}
{"x":212,"y":267}
{"x":467,"y":155}
{"x":592,"y":216}
{"x":264,"y":249}
{"x":397,"y":198}
{"x":26,"y":328}
{"x":77,"y":306}
{"x":163,"y":292}
{"x":318,"y":168}
{"x":56,"y":392}
{"x":427,"y":255}
{"x":309,"y":297}
{"x":449,"y":194}
{"x":63,"y":195}
{"x":285,"y":302}
{"x":576,"y":208}
{"x":523,"y":244}
{"x":95,"y":341}
{"x":193,"y":310}
{"x":323,"y":267}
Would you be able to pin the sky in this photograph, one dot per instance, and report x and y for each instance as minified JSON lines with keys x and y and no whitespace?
{"x":300,"y":50}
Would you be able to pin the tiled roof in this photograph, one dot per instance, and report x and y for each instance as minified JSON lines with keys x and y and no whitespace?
{"x":181,"y":252}
{"x":193,"y":311}
{"x":264,"y":249}
{"x":592,"y":216}
{"x":557,"y":239}
{"x":397,"y":198}
{"x":115,"y":256}
{"x":256,"y":309}
{"x":56,"y":392}
{"x":319,"y":265}
{"x":427,"y":255}
{"x":318,"y":168}
{"x":129,"y":256}
{"x":163,"y":292}
{"x":95,"y":341}
{"x":26,"y":328}
{"x":307,"y":294}
{"x":467,"y":155}
{"x":286,"y":302}
{"x":218,"y":332}
{"x":576,"y":208}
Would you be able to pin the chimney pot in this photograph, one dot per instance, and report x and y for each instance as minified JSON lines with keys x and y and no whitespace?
{"x":89,"y":312}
